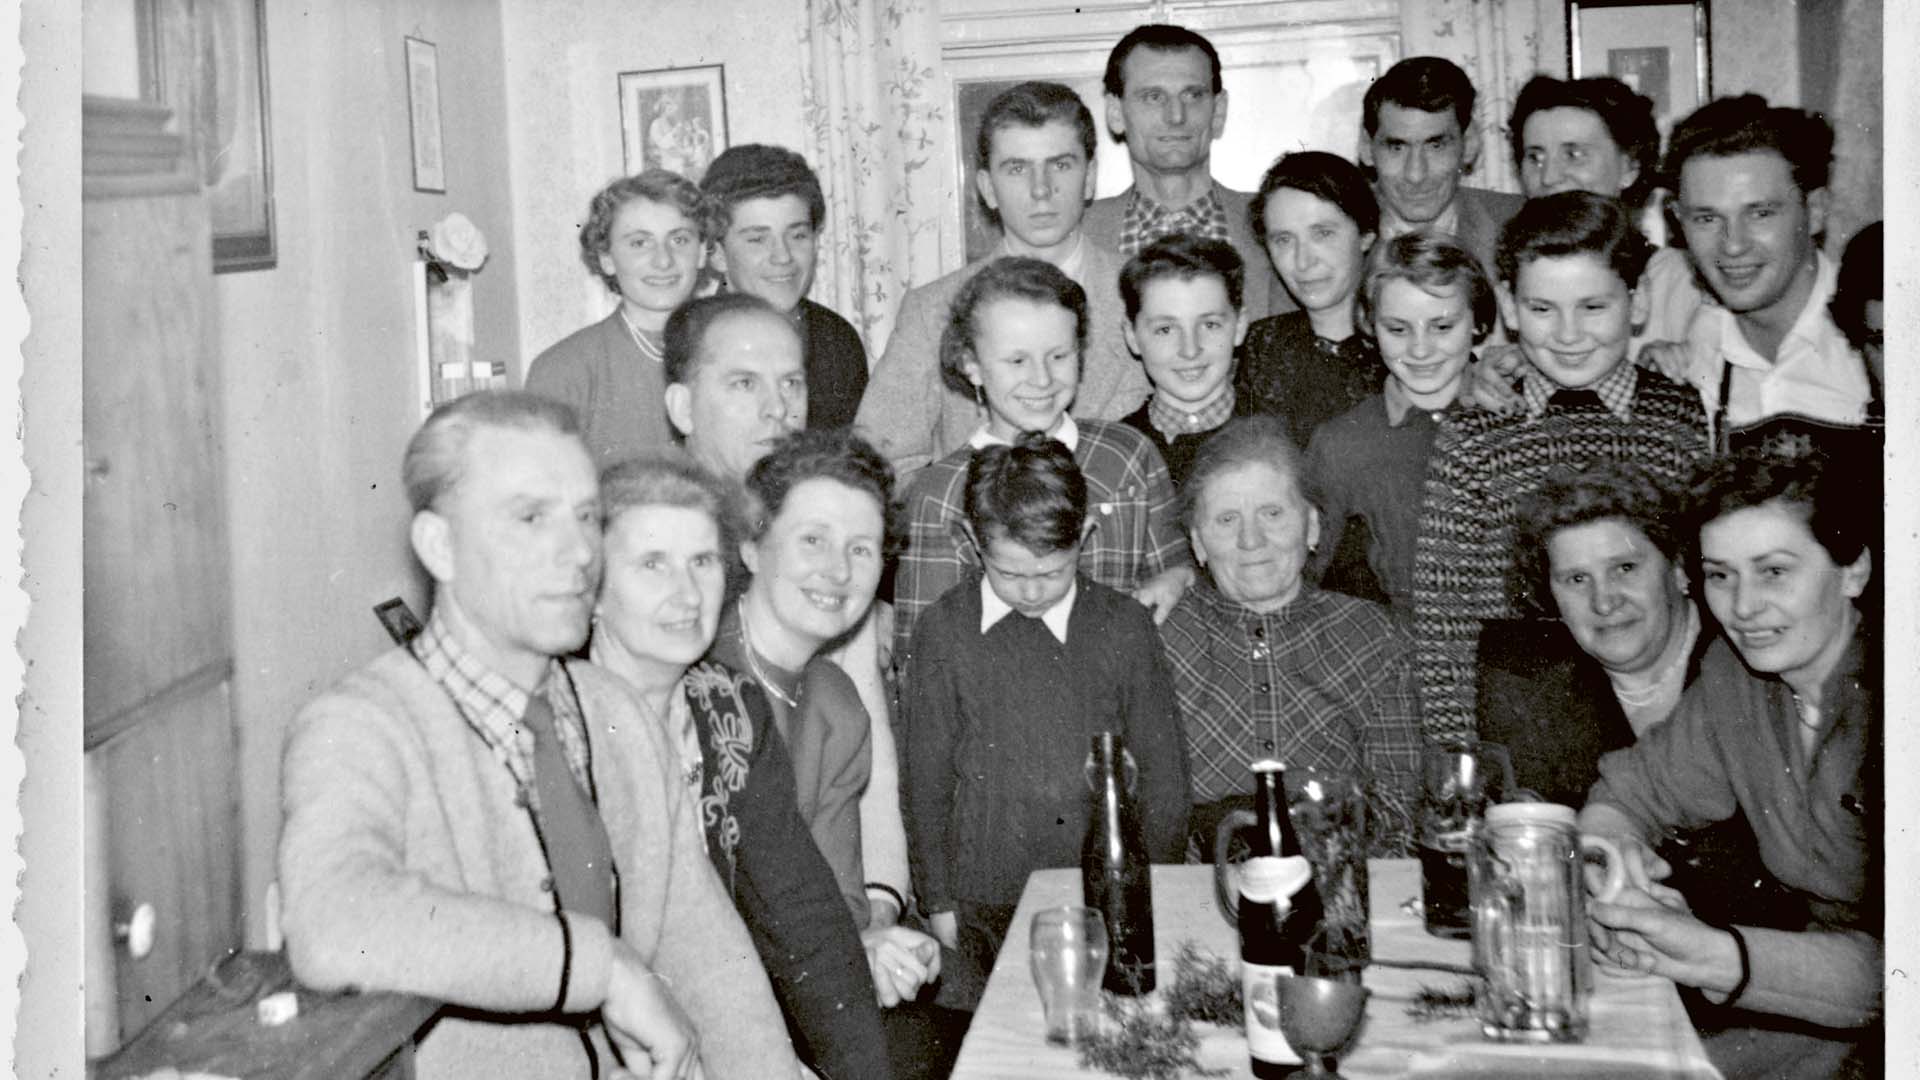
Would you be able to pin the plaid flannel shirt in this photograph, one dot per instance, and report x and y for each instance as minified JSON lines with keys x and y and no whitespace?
{"x":1130,"y":499}
{"x":1326,"y":682}
{"x":496,"y":707}
{"x":1146,"y":221}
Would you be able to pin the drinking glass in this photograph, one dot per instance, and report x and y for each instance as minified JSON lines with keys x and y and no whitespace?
{"x":1329,"y":811}
{"x":1457,"y":784}
{"x":1067,"y":947}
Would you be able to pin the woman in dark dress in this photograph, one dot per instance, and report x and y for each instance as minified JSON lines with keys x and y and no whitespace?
{"x":1316,"y":214}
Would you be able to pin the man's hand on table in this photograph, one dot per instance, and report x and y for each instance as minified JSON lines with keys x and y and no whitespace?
{"x":645,"y":1023}
{"x":1646,"y":932}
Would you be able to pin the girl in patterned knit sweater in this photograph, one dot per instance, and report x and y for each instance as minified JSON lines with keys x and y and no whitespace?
{"x":1570,"y":266}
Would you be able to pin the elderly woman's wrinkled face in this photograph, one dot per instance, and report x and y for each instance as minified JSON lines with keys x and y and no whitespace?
{"x":660,"y":601}
{"x":1252,"y":530}
{"x":1622,"y":599}
{"x":1780,"y":597}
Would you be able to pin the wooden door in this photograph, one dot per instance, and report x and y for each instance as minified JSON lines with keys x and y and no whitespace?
{"x":158,"y":641}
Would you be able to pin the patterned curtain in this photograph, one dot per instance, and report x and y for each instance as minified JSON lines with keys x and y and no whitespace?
{"x":876,"y":102}
{"x":1499,"y":44}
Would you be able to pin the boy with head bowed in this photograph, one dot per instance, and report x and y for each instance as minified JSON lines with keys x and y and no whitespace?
{"x":478,"y":819}
{"x":1166,"y":101}
{"x":1035,"y":148}
{"x":1418,"y":138}
{"x":1751,"y":183}
{"x":766,"y":207}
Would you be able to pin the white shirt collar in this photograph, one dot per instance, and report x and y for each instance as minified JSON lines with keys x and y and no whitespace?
{"x":1068,"y":433}
{"x":1073,"y":263}
{"x":1814,"y":325}
{"x":993,"y":609}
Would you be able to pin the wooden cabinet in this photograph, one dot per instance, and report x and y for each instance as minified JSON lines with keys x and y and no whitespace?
{"x":158,"y":653}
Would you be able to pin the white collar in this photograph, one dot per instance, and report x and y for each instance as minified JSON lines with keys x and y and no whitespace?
{"x":1068,"y":433}
{"x":1812,"y":325}
{"x":1073,"y":263}
{"x":993,"y":609}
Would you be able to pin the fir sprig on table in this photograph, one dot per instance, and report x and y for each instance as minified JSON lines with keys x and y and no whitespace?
{"x":1206,"y":988}
{"x":1443,"y":1003}
{"x":1142,"y":1042}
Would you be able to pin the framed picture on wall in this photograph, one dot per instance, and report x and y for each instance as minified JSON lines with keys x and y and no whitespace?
{"x":423,"y":102}
{"x":1659,"y":49}
{"x":673,"y":119}
{"x":208,"y":61}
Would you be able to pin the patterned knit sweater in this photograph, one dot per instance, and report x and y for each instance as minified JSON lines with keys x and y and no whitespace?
{"x":1482,"y":467}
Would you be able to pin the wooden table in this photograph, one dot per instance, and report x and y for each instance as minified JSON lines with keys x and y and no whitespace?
{"x":212,"y":1029}
{"x":1639,"y":1028}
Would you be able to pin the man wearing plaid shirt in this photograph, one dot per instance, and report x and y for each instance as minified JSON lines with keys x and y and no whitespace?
{"x":1265,"y":665}
{"x":1165,"y":99}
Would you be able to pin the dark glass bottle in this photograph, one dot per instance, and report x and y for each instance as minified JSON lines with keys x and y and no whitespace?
{"x":1274,"y":929}
{"x":1115,"y":875}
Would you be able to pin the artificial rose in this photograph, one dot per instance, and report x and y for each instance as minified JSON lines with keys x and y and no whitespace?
{"x":458,"y":242}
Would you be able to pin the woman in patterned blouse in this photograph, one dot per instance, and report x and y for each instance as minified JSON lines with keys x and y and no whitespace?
{"x":668,"y":525}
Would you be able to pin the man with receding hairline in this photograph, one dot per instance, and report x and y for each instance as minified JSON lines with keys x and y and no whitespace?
{"x":475,"y":818}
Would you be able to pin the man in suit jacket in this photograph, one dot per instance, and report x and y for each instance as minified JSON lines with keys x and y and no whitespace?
{"x":1166,"y":101}
{"x":1036,"y":143}
{"x":1419,"y":139}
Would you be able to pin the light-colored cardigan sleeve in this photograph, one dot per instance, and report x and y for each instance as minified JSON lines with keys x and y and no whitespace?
{"x":901,"y":408}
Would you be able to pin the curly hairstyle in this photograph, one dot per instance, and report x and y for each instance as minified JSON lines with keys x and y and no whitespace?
{"x":653,"y":185}
{"x":674,"y":480}
{"x":1603,"y":489}
{"x":836,"y":455}
{"x":1573,"y":223}
{"x":1433,"y":263}
{"x":1836,"y":503}
{"x":1013,"y":277}
{"x":1627,"y":115}
{"x":1325,"y":176}
{"x":1031,"y":493}
{"x":758,"y":171}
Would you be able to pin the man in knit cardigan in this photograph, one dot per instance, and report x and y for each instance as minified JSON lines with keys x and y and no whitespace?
{"x":475,"y":819}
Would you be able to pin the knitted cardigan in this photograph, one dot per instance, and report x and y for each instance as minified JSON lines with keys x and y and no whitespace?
{"x":1482,"y":467}
{"x":406,"y":864}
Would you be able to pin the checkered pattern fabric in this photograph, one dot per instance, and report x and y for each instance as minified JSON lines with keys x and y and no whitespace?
{"x":1481,"y":468}
{"x":1326,"y":683}
{"x":1615,"y":390}
{"x":1146,"y":221}
{"x":1136,"y":533}
{"x":1173,"y":421}
{"x":495,"y":707}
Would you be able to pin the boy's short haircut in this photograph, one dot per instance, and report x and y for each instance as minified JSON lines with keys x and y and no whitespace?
{"x":1328,"y":177}
{"x":1573,"y":223}
{"x":1162,"y":37}
{"x":1034,"y":104}
{"x":1729,"y":126}
{"x":1182,"y":257}
{"x":1628,"y":117}
{"x":1013,"y":277}
{"x":1031,"y":493}
{"x":1433,"y":263}
{"x":759,"y":171}
{"x":687,"y":328}
{"x":653,"y":185}
{"x":1422,"y":83}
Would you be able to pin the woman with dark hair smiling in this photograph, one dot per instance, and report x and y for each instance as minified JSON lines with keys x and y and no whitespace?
{"x":1783,"y":726}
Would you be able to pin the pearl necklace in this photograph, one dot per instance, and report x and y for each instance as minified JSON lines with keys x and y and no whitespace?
{"x":655,"y":353}
{"x":753,"y":664}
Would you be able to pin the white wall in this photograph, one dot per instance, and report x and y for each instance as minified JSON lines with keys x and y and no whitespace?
{"x":318,"y":353}
{"x":563,"y":60}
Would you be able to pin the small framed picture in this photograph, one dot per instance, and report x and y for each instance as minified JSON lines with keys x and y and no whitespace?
{"x":673,"y":119}
{"x":1659,"y":49}
{"x":423,"y":99}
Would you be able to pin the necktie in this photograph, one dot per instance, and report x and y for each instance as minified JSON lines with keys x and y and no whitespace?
{"x":578,"y":851}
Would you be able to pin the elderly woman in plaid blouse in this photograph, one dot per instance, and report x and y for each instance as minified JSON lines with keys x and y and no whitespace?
{"x":1265,"y":664}
{"x":1013,"y":341}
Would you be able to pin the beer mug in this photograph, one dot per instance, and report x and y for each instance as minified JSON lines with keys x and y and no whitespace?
{"x":1526,"y":875}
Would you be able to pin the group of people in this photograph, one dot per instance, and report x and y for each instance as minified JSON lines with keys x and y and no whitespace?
{"x":756,"y":683}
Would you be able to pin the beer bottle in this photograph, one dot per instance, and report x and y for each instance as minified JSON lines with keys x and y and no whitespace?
{"x":1115,"y":875}
{"x":1274,"y":928}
